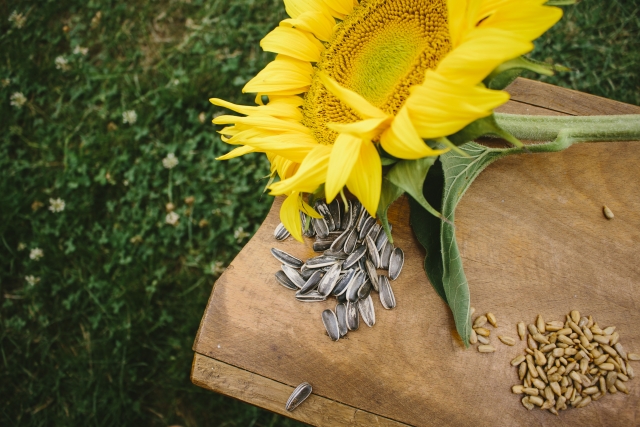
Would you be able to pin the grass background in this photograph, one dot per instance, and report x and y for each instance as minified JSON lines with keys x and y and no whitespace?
{"x":104,"y":339}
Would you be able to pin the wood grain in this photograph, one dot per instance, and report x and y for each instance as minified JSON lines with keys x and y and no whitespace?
{"x":240,"y":384}
{"x":533,"y":240}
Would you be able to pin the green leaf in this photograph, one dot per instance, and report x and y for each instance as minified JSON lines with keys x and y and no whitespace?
{"x":507,"y":72}
{"x":389,"y":193}
{"x":427,"y":227}
{"x":409,"y":175}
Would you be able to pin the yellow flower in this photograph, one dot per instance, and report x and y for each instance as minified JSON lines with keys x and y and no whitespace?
{"x":350,"y":79}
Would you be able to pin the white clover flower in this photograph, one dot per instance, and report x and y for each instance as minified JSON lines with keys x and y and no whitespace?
{"x":22,"y":246}
{"x":62,"y":63}
{"x":56,"y":205}
{"x":81,"y":50}
{"x":18,"y":100}
{"x":170,"y":162}
{"x":32,"y":280}
{"x":172,"y":218}
{"x":129,"y":117}
{"x":5,"y":82}
{"x":240,"y":234}
{"x":217,"y":267}
{"x":17,"y":19}
{"x":36,"y":254}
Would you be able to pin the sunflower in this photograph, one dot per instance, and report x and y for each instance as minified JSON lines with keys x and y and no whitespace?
{"x":352,"y":80}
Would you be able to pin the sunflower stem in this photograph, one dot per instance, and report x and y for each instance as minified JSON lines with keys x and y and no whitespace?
{"x":577,"y":128}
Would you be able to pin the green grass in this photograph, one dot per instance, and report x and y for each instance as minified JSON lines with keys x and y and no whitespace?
{"x":105,"y":337}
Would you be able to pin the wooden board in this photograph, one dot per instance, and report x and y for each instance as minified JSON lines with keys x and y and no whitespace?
{"x":533,"y":240}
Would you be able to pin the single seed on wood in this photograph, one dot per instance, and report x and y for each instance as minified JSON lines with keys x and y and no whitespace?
{"x":517,"y":389}
{"x":473,"y":339}
{"x":575,"y":316}
{"x":540,"y":324}
{"x":492,"y":319}
{"x":633,"y":356}
{"x":483,"y":331}
{"x":506,"y":340}
{"x":298,"y":396}
{"x":536,"y":400}
{"x":584,"y":402}
{"x":517,"y":360}
{"x":483,"y":340}
{"x":521,"y":330}
{"x":526,"y":403}
{"x":331,"y":324}
{"x":622,"y":387}
{"x":485,"y":348}
{"x":630,"y":372}
{"x":480,"y":321}
{"x":522,"y":370}
{"x":607,"y":212}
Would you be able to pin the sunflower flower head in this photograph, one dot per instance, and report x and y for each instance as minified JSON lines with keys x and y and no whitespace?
{"x":352,"y":82}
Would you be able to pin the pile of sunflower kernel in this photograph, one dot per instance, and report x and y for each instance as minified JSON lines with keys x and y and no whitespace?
{"x":570,"y":363}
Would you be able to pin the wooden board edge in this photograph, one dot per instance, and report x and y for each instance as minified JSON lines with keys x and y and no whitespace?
{"x":266,"y":393}
{"x":563,"y":100}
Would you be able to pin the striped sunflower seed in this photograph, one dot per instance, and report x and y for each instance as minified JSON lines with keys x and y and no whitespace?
{"x":321,"y":245}
{"x":374,"y":256}
{"x":307,"y":227}
{"x":329,"y":280}
{"x":366,"y":227}
{"x":320,"y":227}
{"x":387,"y":298}
{"x":330,"y":322}
{"x":354,"y":286}
{"x":351,"y":242}
{"x":343,"y":282}
{"x":345,"y":216}
{"x":285,"y":281}
{"x":371,"y":271}
{"x":286,"y":258}
{"x":323,"y":209}
{"x":280,"y":232}
{"x":310,"y":297}
{"x":341,"y":315}
{"x":338,"y":244}
{"x":311,"y":283}
{"x":321,"y":261}
{"x":364,"y":290}
{"x":293,"y":275}
{"x":336,"y":213}
{"x":365,"y":307}
{"x":353,"y":320}
{"x":385,"y":255}
{"x":381,"y":240}
{"x":299,"y":395}
{"x":354,"y":257}
{"x":396,"y":262}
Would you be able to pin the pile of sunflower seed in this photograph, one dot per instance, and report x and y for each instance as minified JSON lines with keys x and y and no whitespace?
{"x":572,"y":363}
{"x":353,"y":247}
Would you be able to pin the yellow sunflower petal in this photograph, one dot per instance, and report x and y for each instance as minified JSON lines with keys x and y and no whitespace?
{"x":280,"y":108}
{"x":309,"y":176}
{"x":237,"y":152}
{"x":319,"y":24}
{"x":304,"y":207}
{"x":294,"y":147}
{"x":285,"y":168}
{"x":295,"y":8}
{"x":264,"y":122}
{"x":340,"y":8}
{"x":282,"y":76}
{"x":290,"y":216}
{"x":363,"y":129}
{"x":365,"y":180}
{"x":440,"y":107}
{"x":479,"y":53}
{"x":402,"y":140}
{"x":527,"y":19}
{"x":361,"y":106}
{"x":294,"y":43}
{"x":344,"y":154}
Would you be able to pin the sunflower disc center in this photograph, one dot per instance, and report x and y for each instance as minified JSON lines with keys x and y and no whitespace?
{"x":381,"y":49}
